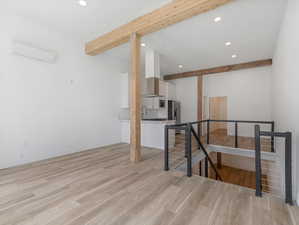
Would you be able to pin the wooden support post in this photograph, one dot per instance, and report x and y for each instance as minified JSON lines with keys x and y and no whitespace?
{"x":135,"y":108}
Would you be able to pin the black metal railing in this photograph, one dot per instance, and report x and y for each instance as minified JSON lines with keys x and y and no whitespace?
{"x":207,"y":159}
{"x":189,"y":133}
{"x":288,"y":161}
{"x":236,"y":124}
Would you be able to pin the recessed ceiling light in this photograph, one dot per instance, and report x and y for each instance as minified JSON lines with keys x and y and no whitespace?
{"x":181,"y":66}
{"x":143,"y":44}
{"x":228,"y":43}
{"x":217,"y":19}
{"x":82,"y":2}
{"x":234,"y":56}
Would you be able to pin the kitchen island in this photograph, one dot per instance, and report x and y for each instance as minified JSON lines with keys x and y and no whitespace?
{"x":152,"y":133}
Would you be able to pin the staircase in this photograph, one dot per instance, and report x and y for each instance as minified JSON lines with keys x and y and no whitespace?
{"x":189,"y":154}
{"x":271,"y":180}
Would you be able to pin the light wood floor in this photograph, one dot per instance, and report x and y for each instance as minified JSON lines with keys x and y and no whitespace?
{"x":102,"y":187}
{"x":229,"y":174}
{"x":220,"y":137}
{"x":235,"y":176}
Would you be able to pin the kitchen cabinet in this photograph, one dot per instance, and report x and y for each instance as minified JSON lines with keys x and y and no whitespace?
{"x":124,"y":90}
{"x":152,"y":133}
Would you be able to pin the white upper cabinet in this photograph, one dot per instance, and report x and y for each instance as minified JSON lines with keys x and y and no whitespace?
{"x":124,"y":90}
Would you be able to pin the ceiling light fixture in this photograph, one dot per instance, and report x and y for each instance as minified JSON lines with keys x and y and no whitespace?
{"x":217,"y":19}
{"x":181,"y":66}
{"x":82,"y":3}
{"x":234,"y":56}
{"x":228,"y":43}
{"x":143,"y":44}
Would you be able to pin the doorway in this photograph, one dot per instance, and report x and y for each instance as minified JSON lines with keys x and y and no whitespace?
{"x":218,"y":111}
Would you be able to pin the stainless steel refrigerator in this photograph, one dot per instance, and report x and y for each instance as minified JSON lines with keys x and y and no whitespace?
{"x":174,"y":111}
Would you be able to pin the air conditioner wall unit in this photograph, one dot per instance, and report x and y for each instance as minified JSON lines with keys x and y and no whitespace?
{"x":33,"y":52}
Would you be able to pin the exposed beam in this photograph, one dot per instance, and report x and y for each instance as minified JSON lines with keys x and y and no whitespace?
{"x":135,"y":108}
{"x":171,"y":13}
{"x":221,"y":69}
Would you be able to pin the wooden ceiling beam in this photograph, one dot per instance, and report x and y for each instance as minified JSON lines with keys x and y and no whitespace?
{"x":221,"y":69}
{"x":171,"y":13}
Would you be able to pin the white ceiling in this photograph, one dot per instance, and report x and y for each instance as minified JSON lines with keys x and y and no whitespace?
{"x":251,"y":25}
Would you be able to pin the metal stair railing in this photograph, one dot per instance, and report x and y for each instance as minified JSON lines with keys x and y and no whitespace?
{"x":288,"y":161}
{"x":189,"y":132}
{"x":218,"y":176}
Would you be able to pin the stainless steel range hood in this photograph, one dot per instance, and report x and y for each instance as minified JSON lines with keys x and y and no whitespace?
{"x":152,"y":87}
{"x":152,"y":73}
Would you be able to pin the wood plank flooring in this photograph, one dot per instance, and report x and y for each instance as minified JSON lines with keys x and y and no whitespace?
{"x":220,"y":137}
{"x":235,"y":176}
{"x":228,"y":173}
{"x":101,"y":186}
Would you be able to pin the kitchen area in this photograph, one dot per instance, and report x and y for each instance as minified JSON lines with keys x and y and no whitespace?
{"x":159,"y":105}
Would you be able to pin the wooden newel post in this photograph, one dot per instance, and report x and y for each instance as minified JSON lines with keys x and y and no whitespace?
{"x":135,"y":107}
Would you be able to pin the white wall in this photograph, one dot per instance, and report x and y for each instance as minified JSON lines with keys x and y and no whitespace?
{"x":248,"y":95}
{"x":186,"y":94}
{"x":47,"y":109}
{"x":286,"y":79}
